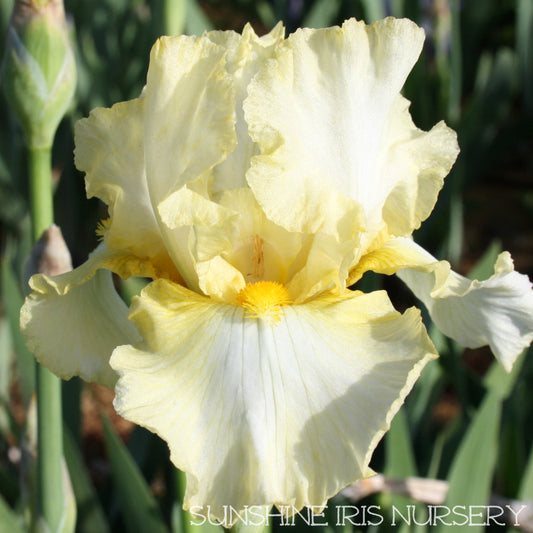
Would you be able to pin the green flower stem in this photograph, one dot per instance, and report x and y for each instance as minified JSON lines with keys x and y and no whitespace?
{"x":50,"y":448}
{"x":49,"y":420}
{"x":42,"y":207}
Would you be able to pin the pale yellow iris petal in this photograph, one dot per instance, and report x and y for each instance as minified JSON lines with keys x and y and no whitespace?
{"x":323,"y":264}
{"x":109,"y":149}
{"x":219,"y":279}
{"x":74,"y":321}
{"x":260,"y":249}
{"x":496,"y":312}
{"x":336,"y":136}
{"x":189,"y":127}
{"x":257,"y":249}
{"x":234,"y":243}
{"x":390,"y":256}
{"x":189,"y":111}
{"x":186,"y":207}
{"x":201,"y":229}
{"x":245,"y":54}
{"x":258,"y":413}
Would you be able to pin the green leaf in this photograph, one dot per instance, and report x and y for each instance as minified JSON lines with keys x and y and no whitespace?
{"x":484,"y":267}
{"x":266,"y":13}
{"x":456,"y":65}
{"x":322,"y":14}
{"x":425,"y":395}
{"x":174,"y":15}
{"x":12,"y":301}
{"x":399,"y":464}
{"x":499,"y":382}
{"x":184,"y":521}
{"x":196,"y":21}
{"x":400,"y":458}
{"x":471,"y":473}
{"x":139,"y":507}
{"x":5,"y":374}
{"x":9,"y":521}
{"x":398,"y":8}
{"x":374,"y":10}
{"x":526,"y":486}
{"x":524,"y":45}
{"x":91,"y":518}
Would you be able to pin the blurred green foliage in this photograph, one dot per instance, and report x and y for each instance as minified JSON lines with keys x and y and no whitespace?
{"x":462,"y":422}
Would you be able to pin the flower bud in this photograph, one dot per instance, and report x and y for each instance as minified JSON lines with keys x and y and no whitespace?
{"x":49,"y":255}
{"x":39,"y":71}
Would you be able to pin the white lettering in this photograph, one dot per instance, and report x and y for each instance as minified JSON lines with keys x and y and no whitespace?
{"x":511,"y":510}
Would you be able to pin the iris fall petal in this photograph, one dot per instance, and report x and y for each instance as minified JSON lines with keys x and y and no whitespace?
{"x":74,"y":321}
{"x":496,"y":312}
{"x":260,"y":413}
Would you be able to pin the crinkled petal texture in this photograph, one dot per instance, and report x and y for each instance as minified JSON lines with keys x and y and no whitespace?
{"x":260,"y":413}
{"x":110,"y":149}
{"x":189,"y":128}
{"x":497,"y":312}
{"x":74,"y":321}
{"x":245,"y":54}
{"x":339,"y":151}
{"x":200,"y":83}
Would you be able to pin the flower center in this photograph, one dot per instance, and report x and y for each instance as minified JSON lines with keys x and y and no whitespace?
{"x":264,"y":299}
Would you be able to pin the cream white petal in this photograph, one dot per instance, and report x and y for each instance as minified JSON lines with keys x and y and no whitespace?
{"x":336,"y":136}
{"x":185,"y":207}
{"x":198,"y":228}
{"x":219,"y":279}
{"x":109,"y":148}
{"x":497,"y":312}
{"x":259,"y":413}
{"x":245,"y":54}
{"x":189,"y":114}
{"x":260,"y":249}
{"x":74,"y":321}
{"x":322,"y":264}
{"x":189,"y":128}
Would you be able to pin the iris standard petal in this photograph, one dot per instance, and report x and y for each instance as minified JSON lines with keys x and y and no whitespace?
{"x":260,"y":249}
{"x":245,"y":54}
{"x":189,"y":128}
{"x":74,"y":321}
{"x":190,"y":114}
{"x":260,"y":413}
{"x":110,"y":150}
{"x":336,"y":136}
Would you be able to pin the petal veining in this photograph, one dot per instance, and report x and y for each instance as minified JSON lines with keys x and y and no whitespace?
{"x":258,"y":413}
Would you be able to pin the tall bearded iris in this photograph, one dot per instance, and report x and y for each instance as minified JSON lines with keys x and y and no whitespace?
{"x":253,"y":181}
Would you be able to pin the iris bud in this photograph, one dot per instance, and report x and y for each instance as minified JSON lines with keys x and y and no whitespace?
{"x":39,"y":71}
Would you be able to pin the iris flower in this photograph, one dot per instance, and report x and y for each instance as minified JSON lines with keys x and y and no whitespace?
{"x":253,"y":181}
